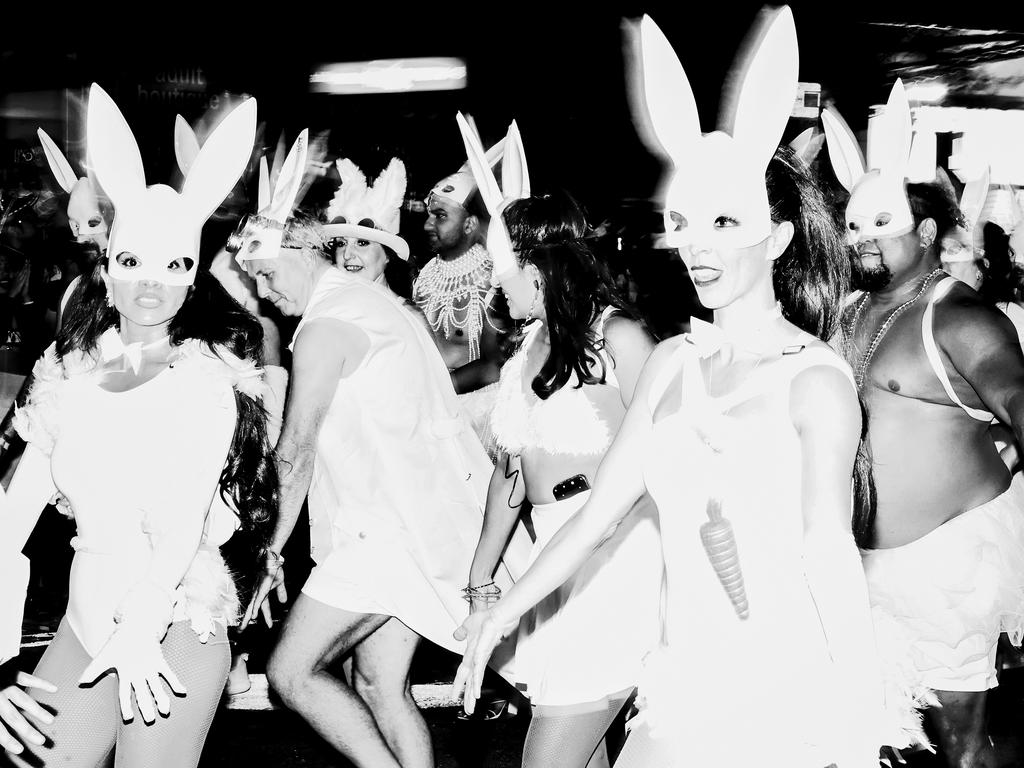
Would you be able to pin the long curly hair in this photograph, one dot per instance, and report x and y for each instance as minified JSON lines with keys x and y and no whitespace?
{"x":211,"y":316}
{"x":1001,"y":277}
{"x":548,"y":231}
{"x":811,"y":281}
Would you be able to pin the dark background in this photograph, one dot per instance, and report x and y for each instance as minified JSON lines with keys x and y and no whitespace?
{"x":556,"y":67}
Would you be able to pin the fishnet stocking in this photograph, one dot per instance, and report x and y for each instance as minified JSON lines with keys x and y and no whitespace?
{"x":571,"y":736}
{"x":88,"y":725}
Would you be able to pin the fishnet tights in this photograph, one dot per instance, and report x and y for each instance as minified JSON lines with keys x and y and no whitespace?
{"x":571,"y":736}
{"x":88,"y":726}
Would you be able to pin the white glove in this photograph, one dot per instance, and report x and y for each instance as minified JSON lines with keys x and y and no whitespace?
{"x":133,"y":652}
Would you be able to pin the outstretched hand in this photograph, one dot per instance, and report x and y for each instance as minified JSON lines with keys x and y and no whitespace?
{"x":482,"y":633}
{"x":139,"y":664}
{"x":13,"y":702}
{"x":271,"y":581}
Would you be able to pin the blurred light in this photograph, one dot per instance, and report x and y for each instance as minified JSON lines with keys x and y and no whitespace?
{"x":390,"y":76}
{"x":927,"y":92}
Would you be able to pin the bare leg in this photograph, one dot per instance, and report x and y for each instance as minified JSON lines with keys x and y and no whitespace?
{"x":380,"y":675}
{"x":313,"y":636}
{"x":960,"y":729}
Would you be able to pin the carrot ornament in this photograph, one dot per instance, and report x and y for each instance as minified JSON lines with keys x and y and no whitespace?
{"x":720,"y":545}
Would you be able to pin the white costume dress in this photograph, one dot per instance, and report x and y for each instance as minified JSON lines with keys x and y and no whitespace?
{"x":128,"y":463}
{"x":587,"y":639}
{"x":400,"y":480}
{"x":727,"y":691}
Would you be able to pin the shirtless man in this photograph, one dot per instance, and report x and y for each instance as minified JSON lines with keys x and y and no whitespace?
{"x":934,"y":363}
{"x":452,"y":289}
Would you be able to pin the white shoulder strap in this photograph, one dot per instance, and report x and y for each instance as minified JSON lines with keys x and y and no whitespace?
{"x":932,"y":350}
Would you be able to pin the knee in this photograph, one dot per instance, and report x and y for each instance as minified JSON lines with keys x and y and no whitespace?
{"x":377,"y":692}
{"x":287,"y":676}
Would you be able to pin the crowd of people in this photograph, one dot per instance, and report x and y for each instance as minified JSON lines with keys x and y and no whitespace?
{"x":790,"y":536}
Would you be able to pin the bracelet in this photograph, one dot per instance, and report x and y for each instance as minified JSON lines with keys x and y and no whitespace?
{"x":272,"y":560}
{"x":489,"y":592}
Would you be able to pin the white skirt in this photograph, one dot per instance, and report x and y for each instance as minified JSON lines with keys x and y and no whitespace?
{"x":587,"y":639}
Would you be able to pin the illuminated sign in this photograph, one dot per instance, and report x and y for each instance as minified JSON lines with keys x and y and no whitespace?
{"x":389,"y":76}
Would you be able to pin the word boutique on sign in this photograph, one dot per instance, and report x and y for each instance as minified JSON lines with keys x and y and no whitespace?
{"x":178,"y":85}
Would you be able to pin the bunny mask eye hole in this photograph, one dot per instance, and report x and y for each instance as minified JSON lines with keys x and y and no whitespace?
{"x":679,"y":222}
{"x":127,"y":260}
{"x":180,"y":266}
{"x":882,"y":219}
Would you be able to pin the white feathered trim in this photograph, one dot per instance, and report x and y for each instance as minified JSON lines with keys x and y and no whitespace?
{"x":243,"y":374}
{"x":37,"y":421}
{"x":385,"y":197}
{"x":351,"y":192}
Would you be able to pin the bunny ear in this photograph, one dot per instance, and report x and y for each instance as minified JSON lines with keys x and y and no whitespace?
{"x":113,"y":153}
{"x":480,"y":167}
{"x":186,"y":145}
{"x":972,"y":202}
{"x":221,"y":161}
{"x":263,"y":188}
{"x":762,"y":104}
{"x":59,"y":165}
{"x":921,"y":167}
{"x":843,"y":149}
{"x":889,"y":144}
{"x":387,"y":194}
{"x":316,"y":167}
{"x":807,"y":144}
{"x":278,"y":161}
{"x":515,"y":174}
{"x":667,"y":93}
{"x":290,"y":178}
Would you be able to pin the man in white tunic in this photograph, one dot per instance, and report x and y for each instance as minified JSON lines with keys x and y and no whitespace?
{"x":396,"y":481}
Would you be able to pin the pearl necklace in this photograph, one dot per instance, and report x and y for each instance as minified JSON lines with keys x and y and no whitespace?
{"x":861,"y":368}
{"x":442,"y":284}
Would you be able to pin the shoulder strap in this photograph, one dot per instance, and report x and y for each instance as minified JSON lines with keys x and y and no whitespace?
{"x":932,"y":351}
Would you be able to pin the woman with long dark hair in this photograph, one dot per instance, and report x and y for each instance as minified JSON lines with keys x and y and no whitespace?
{"x":745,"y":433}
{"x":146,"y":416}
{"x":561,"y":399}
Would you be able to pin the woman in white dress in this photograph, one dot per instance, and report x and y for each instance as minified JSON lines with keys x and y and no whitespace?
{"x":146,"y":417}
{"x":561,"y":398}
{"x":745,"y":433}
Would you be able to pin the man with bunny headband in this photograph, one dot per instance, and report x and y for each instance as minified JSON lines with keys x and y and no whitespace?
{"x":934,"y":363}
{"x":395,"y":478}
{"x":453,"y":291}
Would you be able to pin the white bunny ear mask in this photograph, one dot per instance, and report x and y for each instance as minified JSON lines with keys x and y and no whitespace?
{"x":155,"y":234}
{"x":259,"y":236}
{"x":963,"y":244}
{"x":878,"y":205}
{"x":516,"y":178}
{"x":369,"y":211}
{"x":807,"y":144}
{"x":717,"y":195}
{"x":186,"y":145}
{"x":460,"y":186}
{"x":84,"y":215}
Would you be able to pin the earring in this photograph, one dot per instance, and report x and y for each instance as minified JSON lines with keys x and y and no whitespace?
{"x":536,"y":298}
{"x":110,"y":298}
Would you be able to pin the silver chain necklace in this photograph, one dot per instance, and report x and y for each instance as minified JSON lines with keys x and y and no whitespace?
{"x":860,"y":370}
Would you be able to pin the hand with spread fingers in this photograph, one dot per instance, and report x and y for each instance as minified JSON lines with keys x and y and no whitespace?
{"x":137,"y":660}
{"x":482,"y":631}
{"x":15,"y":729}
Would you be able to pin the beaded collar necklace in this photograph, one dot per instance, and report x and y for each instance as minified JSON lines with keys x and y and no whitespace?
{"x":861,"y":368}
